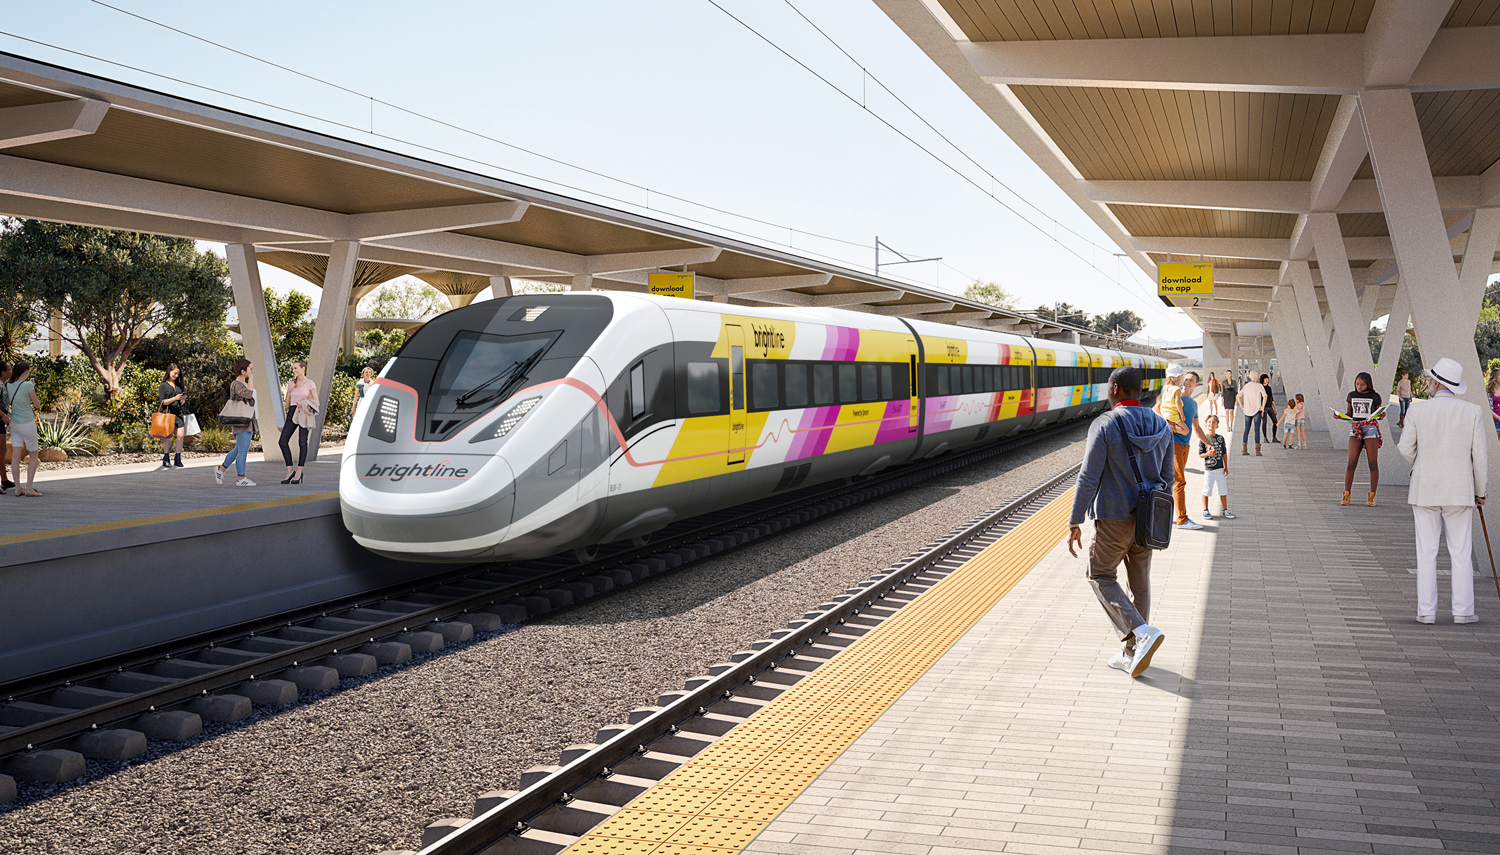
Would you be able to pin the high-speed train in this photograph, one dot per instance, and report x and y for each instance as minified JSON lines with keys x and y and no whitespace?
{"x":525,"y":426}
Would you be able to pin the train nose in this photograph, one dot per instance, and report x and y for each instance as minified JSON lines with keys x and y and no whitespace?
{"x":427,"y":504}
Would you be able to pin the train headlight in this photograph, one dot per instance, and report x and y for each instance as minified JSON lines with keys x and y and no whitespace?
{"x":507,"y":421}
{"x":383,"y":426}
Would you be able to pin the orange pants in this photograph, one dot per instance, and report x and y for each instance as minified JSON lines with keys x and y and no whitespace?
{"x":1179,"y":485}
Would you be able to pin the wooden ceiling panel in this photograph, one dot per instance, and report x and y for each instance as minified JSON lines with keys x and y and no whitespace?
{"x":551,"y":229}
{"x":1152,"y":134}
{"x":1218,"y":261}
{"x":1363,"y":225}
{"x":1047,"y":20}
{"x":1473,"y":13}
{"x":1461,"y":130}
{"x":20,"y":96}
{"x":157,"y":150}
{"x":1153,"y":221}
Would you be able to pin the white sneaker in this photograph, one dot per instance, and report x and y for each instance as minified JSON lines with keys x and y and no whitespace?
{"x":1145,"y":648}
{"x":244,"y":482}
{"x":1426,"y":618}
{"x":1120,"y":662}
{"x":1466,"y":619}
{"x":218,"y":475}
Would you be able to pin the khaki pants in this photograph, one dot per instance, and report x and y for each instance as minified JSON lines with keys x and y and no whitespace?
{"x":1114,"y":543}
{"x":1179,"y":486}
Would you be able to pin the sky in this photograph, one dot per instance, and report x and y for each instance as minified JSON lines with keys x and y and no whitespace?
{"x":672,"y":108}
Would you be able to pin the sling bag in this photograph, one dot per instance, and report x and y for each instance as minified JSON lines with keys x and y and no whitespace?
{"x":1154,"y":509}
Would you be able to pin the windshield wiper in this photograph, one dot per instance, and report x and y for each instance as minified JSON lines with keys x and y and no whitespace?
{"x":516,"y":372}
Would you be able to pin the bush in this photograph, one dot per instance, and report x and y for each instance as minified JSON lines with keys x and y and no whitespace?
{"x":49,"y":375}
{"x":102,"y":440}
{"x":374,"y":360}
{"x":216,"y":439}
{"x":66,"y":434}
{"x":340,"y":400}
{"x":134,"y":437}
{"x":136,"y":400}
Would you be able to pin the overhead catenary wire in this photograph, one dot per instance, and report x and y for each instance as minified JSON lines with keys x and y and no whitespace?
{"x":792,"y":231}
{"x":1051,"y":235}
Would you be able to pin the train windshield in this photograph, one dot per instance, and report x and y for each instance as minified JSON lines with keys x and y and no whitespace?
{"x":480,"y":368}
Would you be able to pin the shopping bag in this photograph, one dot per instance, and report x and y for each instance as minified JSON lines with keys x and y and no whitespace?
{"x":190,"y":425}
{"x":163,"y":425}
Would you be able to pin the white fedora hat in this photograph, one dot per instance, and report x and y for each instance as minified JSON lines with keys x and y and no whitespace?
{"x":1449,"y":373}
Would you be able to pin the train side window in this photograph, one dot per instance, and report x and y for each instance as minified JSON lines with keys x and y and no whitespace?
{"x":887,"y":383}
{"x":638,"y":390}
{"x":848,"y":384}
{"x":902,"y":382}
{"x":968,"y":379}
{"x":869,"y":385}
{"x":823,"y":385}
{"x":912,"y":377}
{"x":942,"y":379}
{"x":796,"y":384}
{"x":763,"y":383}
{"x":703,"y":387}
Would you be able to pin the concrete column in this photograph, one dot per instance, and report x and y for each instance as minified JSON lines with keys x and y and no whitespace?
{"x":1351,"y":326}
{"x":54,"y":334}
{"x":1320,"y":357}
{"x":1395,"y":336}
{"x":1442,"y":313}
{"x":255,"y":334}
{"x":332,"y":326}
{"x":1479,"y":253}
{"x":583,"y":283}
{"x":1234,"y":351}
{"x":1291,"y":350}
{"x":500,"y":287}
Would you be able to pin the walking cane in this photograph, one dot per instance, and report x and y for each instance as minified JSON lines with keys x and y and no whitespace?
{"x":1487,"y":548}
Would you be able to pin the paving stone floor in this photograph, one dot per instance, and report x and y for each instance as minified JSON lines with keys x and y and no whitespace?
{"x":1296,"y":706}
{"x":74,"y":497}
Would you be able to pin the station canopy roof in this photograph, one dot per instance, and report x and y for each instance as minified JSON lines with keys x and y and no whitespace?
{"x":1207,"y":130}
{"x":83,"y":149}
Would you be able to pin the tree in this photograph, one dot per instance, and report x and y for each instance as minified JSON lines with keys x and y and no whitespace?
{"x":528,"y":286}
{"x":113,"y":289}
{"x":291,"y":327}
{"x":991,"y":294}
{"x":404,"y":298}
{"x":1062,"y":313}
{"x":1128,"y":323}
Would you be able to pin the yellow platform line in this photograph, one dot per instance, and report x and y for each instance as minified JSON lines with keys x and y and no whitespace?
{"x":179,"y":516}
{"x":728,"y":794}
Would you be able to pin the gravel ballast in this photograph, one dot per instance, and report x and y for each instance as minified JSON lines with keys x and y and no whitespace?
{"x":366,"y":766}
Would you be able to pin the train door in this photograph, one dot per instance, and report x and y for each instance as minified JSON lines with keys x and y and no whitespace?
{"x":737,"y":418}
{"x":913,"y":410}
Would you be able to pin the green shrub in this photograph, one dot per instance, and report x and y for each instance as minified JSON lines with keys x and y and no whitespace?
{"x":134,"y":437}
{"x":136,"y":400}
{"x":353,"y":365}
{"x":215,"y":438}
{"x":49,"y":376}
{"x":103,"y":441}
{"x":206,"y":368}
{"x":340,"y":400}
{"x":66,"y":434}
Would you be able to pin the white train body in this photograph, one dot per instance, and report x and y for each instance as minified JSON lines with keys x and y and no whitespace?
{"x":521,"y":427}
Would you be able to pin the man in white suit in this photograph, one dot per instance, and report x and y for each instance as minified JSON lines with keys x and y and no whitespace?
{"x":1444,"y":441}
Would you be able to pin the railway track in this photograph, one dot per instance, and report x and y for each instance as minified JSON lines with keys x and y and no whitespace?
{"x":111,"y":709}
{"x":558,"y":804}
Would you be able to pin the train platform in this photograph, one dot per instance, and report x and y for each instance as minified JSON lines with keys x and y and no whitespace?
{"x":111,"y":498}
{"x":1295,"y":707}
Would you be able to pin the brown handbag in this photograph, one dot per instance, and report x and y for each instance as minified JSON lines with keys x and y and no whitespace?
{"x":163,"y":425}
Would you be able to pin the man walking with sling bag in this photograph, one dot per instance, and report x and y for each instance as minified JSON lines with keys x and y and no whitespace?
{"x":1127,"y":439}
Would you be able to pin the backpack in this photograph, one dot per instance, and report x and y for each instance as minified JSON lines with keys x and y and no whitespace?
{"x":1154,"y":508}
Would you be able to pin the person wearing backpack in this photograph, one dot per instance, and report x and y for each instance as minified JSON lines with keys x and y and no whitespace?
{"x":1127,"y":459}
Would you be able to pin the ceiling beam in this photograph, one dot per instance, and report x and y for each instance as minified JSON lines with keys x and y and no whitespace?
{"x":595,"y":265}
{"x":1322,"y":63}
{"x":761,"y":284}
{"x":388,"y":224}
{"x":57,"y":120}
{"x":911,"y":309}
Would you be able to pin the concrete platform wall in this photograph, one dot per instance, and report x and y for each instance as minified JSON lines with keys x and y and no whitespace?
{"x":73,"y":599}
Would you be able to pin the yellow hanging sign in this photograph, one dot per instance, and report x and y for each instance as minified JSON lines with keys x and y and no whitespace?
{"x":1185,"y":283}
{"x":672,"y":284}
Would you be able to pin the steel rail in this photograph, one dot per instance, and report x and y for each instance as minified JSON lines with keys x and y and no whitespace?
{"x":512,"y":815}
{"x":57,"y":729}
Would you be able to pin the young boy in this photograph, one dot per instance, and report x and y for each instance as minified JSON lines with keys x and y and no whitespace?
{"x":1215,"y":469}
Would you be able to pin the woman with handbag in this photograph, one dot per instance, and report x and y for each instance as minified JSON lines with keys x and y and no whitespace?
{"x":172,"y":400}
{"x":239,"y":416}
{"x":302,"y":415}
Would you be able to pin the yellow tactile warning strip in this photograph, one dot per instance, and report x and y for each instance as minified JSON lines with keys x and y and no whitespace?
{"x":116,"y":525}
{"x":721,"y":800}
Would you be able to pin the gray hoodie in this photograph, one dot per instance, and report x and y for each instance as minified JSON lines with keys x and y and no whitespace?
{"x":1106,"y":483}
